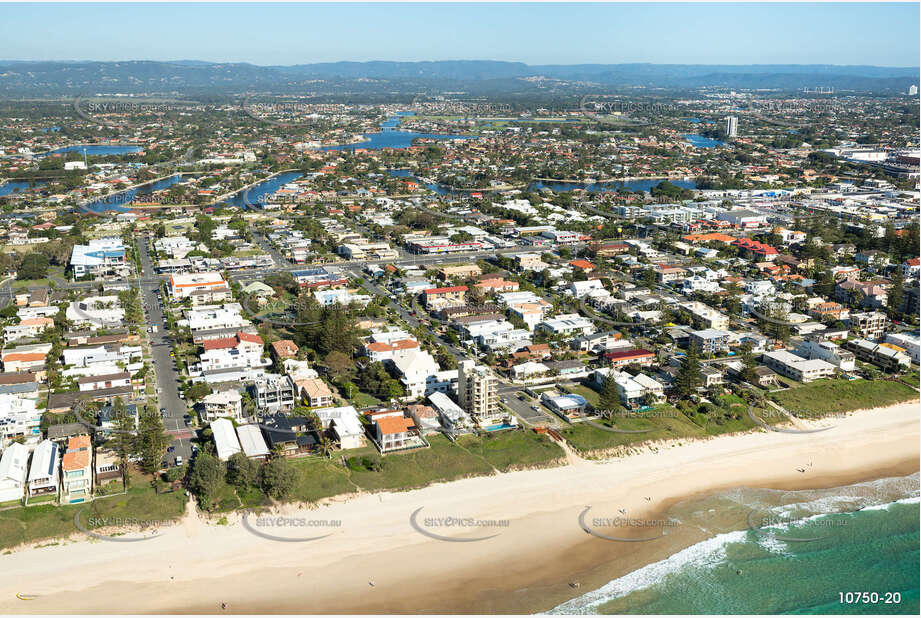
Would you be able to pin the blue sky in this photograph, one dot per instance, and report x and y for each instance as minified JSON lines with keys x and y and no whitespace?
{"x":821,"y":33}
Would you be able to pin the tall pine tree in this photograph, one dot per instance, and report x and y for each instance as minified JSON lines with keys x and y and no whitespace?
{"x":689,"y":374}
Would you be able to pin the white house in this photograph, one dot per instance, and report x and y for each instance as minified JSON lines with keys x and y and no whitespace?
{"x":43,"y":472}
{"x":568,"y":324}
{"x":225,"y":438}
{"x":13,"y":472}
{"x":345,"y":425}
{"x":226,"y":404}
{"x":414,"y":367}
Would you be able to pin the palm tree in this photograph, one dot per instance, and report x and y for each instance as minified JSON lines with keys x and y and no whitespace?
{"x":325,"y":446}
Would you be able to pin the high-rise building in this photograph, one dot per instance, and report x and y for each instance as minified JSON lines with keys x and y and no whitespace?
{"x":732,"y":126}
{"x":913,"y":91}
{"x":477,"y":391}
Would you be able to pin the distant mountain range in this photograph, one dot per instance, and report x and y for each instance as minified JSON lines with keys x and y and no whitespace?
{"x":193,"y":77}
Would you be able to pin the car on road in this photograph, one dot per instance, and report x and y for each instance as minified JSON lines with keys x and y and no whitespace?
{"x":535,"y":408}
{"x":178,"y":460}
{"x":163,"y":412}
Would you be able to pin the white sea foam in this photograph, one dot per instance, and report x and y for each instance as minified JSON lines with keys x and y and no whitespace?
{"x":866,"y":496}
{"x":704,"y":554}
{"x":885,"y":507}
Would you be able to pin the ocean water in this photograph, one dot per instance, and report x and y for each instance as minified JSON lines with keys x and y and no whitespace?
{"x":795,"y":552}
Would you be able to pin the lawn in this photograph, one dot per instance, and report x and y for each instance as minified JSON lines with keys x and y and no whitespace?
{"x":24,"y":284}
{"x":29,"y":524}
{"x":363,"y":400}
{"x":319,"y":478}
{"x":824,"y":397}
{"x":443,"y":461}
{"x":663,"y":423}
{"x":591,"y":396}
{"x":911,"y":378}
{"x":731,"y":416}
{"x":510,"y":450}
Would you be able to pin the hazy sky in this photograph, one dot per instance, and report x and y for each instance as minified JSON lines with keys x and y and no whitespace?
{"x":715,"y":33}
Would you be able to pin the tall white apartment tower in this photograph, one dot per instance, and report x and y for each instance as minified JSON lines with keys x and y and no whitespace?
{"x":732,"y":126}
{"x":477,"y":391}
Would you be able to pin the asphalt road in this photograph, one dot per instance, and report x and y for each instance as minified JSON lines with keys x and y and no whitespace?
{"x":164,"y":364}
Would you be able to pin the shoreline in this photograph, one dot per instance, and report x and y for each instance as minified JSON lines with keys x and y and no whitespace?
{"x":196,"y":565}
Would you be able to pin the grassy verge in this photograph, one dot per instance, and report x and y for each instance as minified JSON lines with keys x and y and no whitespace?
{"x":320,"y":478}
{"x":663,"y":423}
{"x":443,"y":461}
{"x":509,"y":450}
{"x":591,"y":396}
{"x":824,"y":397}
{"x":728,"y":414}
{"x":141,"y":503}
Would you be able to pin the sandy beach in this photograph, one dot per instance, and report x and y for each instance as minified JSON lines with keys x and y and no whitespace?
{"x":197,"y":565}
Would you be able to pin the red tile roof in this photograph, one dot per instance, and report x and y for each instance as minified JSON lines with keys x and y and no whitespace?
{"x":625,"y":354}
{"x":394,"y":424}
{"x":250,"y":338}
{"x":448,"y":290}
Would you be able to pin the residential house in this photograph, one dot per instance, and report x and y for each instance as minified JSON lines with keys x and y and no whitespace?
{"x":252,"y":443}
{"x":225,"y":438}
{"x":871,"y":325}
{"x":828,"y":352}
{"x":396,"y":432}
{"x":103,"y":382}
{"x":274,"y":392}
{"x":414,"y":367}
{"x":222,"y":404}
{"x":77,"y":471}
{"x":13,"y":470}
{"x":315,"y":392}
{"x":44,"y":478}
{"x":796,"y":367}
{"x":100,"y":257}
{"x":284,"y":349}
{"x":711,"y":341}
{"x":25,"y":357}
{"x":632,"y":356}
{"x":291,"y":434}
{"x":107,"y":466}
{"x":567,"y":324}
{"x":887,"y":356}
{"x":344,"y":424}
{"x":436,"y":298}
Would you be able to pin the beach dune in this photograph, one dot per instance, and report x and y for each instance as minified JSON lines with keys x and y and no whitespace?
{"x":377,"y":561}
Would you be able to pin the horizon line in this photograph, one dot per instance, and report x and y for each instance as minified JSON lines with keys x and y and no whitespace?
{"x":571,"y":64}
